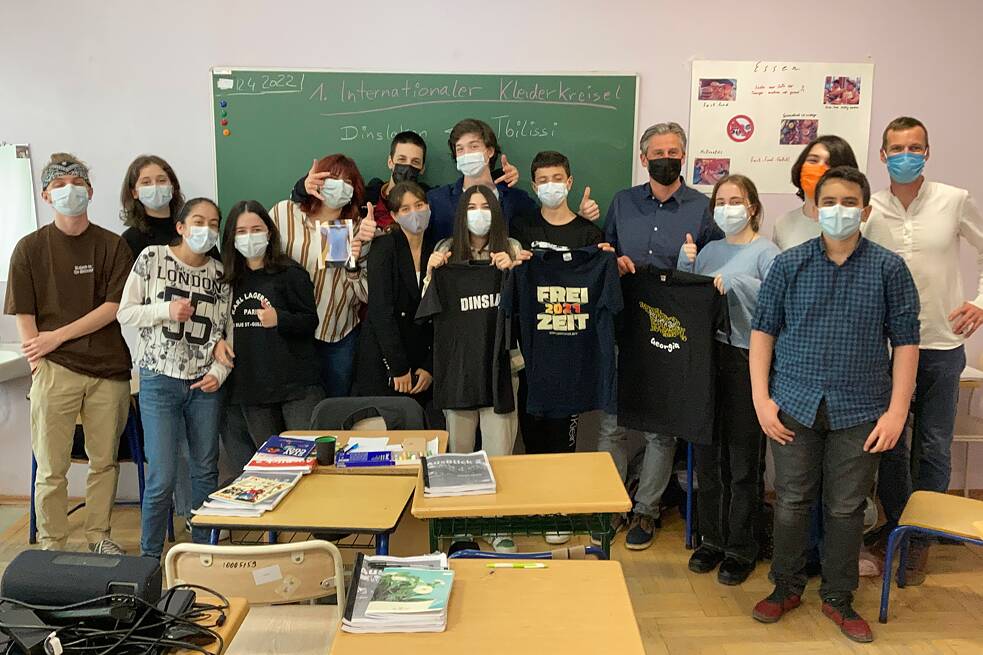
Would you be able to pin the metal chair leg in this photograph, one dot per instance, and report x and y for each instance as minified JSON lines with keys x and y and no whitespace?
{"x":32,"y":534}
{"x":688,"y":537}
{"x":899,"y":535}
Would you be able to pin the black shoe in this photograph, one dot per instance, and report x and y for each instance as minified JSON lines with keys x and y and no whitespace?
{"x":734,"y":571}
{"x":704,"y":559}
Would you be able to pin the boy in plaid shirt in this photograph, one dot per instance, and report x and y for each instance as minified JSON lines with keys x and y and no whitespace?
{"x":836,"y":397}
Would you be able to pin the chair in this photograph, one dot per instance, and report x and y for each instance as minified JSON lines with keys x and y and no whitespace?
{"x":934,"y":514}
{"x":573,"y":552}
{"x":365,"y":413}
{"x":969,"y":428}
{"x":267,"y":577}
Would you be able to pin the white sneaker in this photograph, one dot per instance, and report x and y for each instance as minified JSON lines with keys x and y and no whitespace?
{"x":557,"y":538}
{"x":107,"y":547}
{"x":504,"y":544}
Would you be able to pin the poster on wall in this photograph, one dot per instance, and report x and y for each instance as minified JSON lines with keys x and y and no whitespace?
{"x":754,"y":117}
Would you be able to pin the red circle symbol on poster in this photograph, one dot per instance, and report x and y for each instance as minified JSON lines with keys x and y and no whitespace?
{"x":740,"y":128}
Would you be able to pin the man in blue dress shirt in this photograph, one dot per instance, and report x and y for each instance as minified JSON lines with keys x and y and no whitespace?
{"x":646,"y":225}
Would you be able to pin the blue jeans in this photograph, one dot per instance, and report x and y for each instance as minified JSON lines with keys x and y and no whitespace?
{"x":934,"y":408}
{"x":173,"y":412}
{"x":337,"y":362}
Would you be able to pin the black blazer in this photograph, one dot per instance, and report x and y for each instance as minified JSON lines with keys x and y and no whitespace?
{"x":392,"y":342}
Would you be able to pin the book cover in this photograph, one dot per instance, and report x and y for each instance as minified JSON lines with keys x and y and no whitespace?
{"x":403,"y":590}
{"x":263,"y":461}
{"x":287,"y":446}
{"x":256,"y":488}
{"x":452,"y":470}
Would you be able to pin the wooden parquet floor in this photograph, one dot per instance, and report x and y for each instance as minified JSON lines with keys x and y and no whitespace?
{"x":679,"y":612}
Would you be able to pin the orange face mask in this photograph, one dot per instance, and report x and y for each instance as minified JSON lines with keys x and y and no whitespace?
{"x":809,"y":178}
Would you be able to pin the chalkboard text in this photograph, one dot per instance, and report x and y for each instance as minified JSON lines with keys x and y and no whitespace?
{"x":512,"y":89}
{"x":366,"y":133}
{"x":506,"y":126}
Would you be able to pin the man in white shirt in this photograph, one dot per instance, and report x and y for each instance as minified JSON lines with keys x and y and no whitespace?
{"x":922,"y":221}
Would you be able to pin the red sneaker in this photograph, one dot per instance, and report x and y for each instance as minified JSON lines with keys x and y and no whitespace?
{"x":841,"y":612}
{"x":774,"y":606}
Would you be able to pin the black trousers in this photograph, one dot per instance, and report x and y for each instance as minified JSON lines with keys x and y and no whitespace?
{"x":545,"y":435}
{"x":837,"y":456}
{"x":728,"y":471}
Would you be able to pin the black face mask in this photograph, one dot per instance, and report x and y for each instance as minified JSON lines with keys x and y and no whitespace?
{"x":665,"y":170}
{"x":405,"y":173}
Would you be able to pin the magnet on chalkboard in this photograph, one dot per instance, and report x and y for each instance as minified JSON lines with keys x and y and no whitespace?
{"x":226,"y":132}
{"x":223,"y":103}
{"x":225,"y":122}
{"x":224,"y":114}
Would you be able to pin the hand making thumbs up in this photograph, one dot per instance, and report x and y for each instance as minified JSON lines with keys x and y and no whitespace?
{"x":690,"y":248}
{"x":588,"y":207}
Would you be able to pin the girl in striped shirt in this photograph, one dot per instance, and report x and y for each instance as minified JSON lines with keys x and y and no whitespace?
{"x":339,"y":288}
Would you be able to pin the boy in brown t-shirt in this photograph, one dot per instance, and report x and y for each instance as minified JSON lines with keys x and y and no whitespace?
{"x":64,"y":287}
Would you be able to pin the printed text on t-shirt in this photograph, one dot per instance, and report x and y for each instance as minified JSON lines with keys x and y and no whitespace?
{"x":564,"y":309}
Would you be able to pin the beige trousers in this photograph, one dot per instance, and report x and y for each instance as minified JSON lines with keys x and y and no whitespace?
{"x":58,"y":398}
{"x":498,"y":431}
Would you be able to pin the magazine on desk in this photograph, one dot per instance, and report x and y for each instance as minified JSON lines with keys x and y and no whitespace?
{"x":398,"y":594}
{"x":250,"y":494}
{"x":284,"y":455}
{"x":458,"y":475}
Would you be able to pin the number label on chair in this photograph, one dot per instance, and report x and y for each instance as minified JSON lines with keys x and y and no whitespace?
{"x":240,"y":564}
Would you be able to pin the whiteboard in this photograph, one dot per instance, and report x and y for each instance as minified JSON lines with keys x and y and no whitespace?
{"x":18,"y":216}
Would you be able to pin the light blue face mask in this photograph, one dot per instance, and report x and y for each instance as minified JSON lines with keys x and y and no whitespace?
{"x":155,"y":196}
{"x":905,"y":167}
{"x":839,"y":222}
{"x":70,"y":200}
{"x":336,"y":193}
{"x":201,"y":238}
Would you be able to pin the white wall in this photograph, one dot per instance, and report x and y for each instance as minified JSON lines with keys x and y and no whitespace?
{"x":108,"y":80}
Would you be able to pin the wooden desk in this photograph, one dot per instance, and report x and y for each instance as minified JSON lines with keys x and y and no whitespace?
{"x":329,"y":503}
{"x":395,"y":437}
{"x":570,"y":607}
{"x":584,"y":488}
{"x":234,"y":616}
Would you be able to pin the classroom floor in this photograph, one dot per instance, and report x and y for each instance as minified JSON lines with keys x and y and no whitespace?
{"x":680,"y":612}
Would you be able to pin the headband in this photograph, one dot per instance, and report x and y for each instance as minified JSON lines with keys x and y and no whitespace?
{"x":57,"y":169}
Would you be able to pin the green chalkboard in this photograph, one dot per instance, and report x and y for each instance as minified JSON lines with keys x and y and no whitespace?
{"x":277,"y":121}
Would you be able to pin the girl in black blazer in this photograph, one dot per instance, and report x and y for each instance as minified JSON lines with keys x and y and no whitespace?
{"x":395,"y":353}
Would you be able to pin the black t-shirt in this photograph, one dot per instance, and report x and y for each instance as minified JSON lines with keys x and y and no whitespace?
{"x":534,"y":231}
{"x":471,"y":368}
{"x":277,"y":364}
{"x":162,"y":233}
{"x":566,"y":303}
{"x":666,"y":368}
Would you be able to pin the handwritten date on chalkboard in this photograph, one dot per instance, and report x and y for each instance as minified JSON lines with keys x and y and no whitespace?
{"x":267,"y":83}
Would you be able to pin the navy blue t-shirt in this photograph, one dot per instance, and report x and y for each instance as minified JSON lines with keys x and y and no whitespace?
{"x":566,"y":303}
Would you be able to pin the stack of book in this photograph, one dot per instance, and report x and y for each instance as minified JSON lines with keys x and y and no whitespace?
{"x":458,"y":475}
{"x":284,"y":455}
{"x":398,"y":594}
{"x":250,"y":495}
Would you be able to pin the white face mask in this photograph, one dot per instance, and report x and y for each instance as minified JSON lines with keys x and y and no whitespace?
{"x":552,"y":194}
{"x":155,"y":196}
{"x":253,"y":244}
{"x":471,"y":164}
{"x":479,"y":221}
{"x":730,"y":218}
{"x":337,"y":193}
{"x":70,"y":200}
{"x":201,"y":238}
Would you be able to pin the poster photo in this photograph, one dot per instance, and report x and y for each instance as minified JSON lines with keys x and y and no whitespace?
{"x":754,"y":117}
